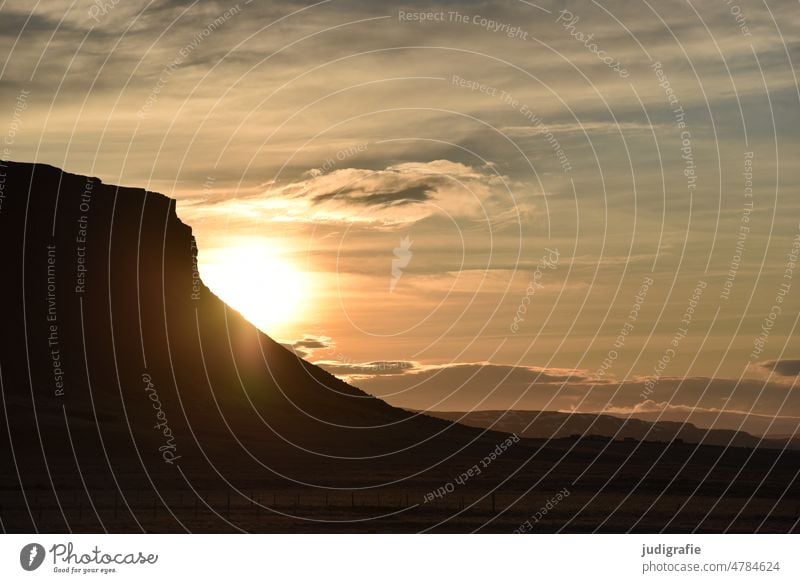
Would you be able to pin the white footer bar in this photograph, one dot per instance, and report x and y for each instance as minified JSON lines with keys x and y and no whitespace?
{"x":399,"y":558}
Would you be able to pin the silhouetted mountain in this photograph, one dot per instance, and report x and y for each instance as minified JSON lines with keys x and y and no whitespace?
{"x":555,"y":425}
{"x":135,"y":400}
{"x":104,"y":317}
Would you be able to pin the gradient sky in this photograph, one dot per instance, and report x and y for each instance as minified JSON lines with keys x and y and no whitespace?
{"x":560,"y":158}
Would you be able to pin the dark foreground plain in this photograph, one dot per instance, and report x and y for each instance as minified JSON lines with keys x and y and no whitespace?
{"x":135,"y":400}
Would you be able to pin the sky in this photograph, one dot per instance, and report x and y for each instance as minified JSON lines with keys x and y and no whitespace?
{"x":577,"y":206}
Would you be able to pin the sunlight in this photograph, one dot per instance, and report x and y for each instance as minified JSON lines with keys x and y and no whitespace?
{"x":257,"y":279}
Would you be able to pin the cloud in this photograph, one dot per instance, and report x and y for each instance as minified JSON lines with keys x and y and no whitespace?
{"x":509,"y":372}
{"x":398,"y":194}
{"x":649,"y":406}
{"x":579,"y":127}
{"x":402,"y":193}
{"x":466,"y":380}
{"x":365,"y":197}
{"x":305,"y":346}
{"x":456,"y":372}
{"x":354,"y":371}
{"x":784,"y":367}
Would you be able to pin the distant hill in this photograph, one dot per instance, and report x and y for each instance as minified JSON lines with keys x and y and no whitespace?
{"x":555,"y":425}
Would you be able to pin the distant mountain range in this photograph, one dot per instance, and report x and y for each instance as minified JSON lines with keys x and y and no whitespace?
{"x":556,"y":425}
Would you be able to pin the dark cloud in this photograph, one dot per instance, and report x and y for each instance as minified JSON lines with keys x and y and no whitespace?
{"x":400,"y":197}
{"x":14,"y":24}
{"x":305,"y":346}
{"x":785,"y":367}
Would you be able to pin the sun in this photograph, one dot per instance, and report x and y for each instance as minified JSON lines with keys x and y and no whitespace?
{"x":257,"y":279}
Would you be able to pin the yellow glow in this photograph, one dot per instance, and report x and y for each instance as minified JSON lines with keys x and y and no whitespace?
{"x":256,"y":279}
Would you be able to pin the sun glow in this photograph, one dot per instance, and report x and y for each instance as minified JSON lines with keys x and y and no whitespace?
{"x":257,"y":279}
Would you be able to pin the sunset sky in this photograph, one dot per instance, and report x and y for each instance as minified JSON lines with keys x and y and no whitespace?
{"x":531,"y":205}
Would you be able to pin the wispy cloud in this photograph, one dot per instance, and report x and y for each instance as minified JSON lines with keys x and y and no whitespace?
{"x":399,"y":194}
{"x":308,"y":344}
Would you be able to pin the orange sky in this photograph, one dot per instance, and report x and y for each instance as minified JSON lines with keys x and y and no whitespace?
{"x":480,"y":208}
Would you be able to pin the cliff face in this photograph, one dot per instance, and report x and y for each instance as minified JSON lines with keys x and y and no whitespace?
{"x":118,"y":363}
